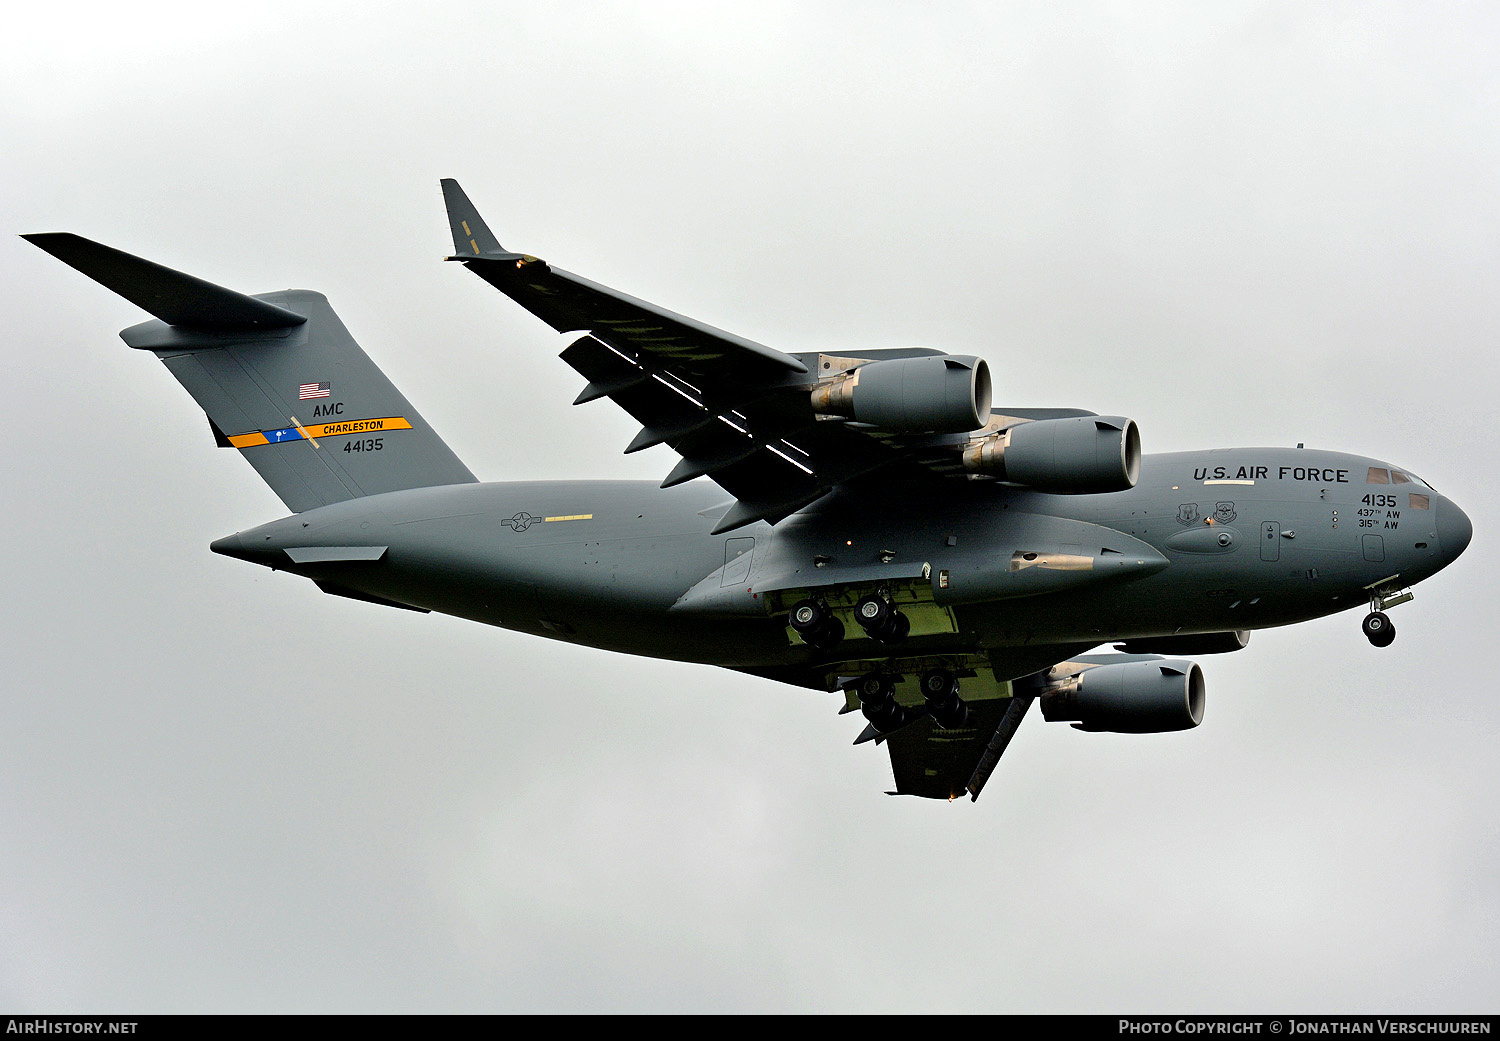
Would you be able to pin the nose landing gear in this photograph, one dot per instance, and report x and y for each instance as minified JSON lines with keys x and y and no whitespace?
{"x":1377,"y":625}
{"x":1378,"y":629}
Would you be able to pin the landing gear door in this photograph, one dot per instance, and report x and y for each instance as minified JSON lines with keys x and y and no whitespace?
{"x":1270,"y":540}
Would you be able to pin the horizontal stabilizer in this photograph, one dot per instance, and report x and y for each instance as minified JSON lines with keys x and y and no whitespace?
{"x":471,"y":236}
{"x":172,"y":296}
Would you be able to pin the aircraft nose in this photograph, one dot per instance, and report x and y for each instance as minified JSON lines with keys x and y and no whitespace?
{"x":1453,"y":527}
{"x":229,"y":545}
{"x":257,"y":551}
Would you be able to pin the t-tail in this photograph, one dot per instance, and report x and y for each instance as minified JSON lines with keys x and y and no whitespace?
{"x":280,"y":378}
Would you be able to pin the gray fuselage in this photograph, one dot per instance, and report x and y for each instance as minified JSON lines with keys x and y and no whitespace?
{"x":1231,"y":539}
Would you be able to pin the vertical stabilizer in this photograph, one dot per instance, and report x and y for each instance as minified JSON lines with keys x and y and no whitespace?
{"x":280,"y":378}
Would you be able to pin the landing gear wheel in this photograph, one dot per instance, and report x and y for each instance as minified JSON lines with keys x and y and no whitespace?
{"x":808,"y":616}
{"x":874,"y":688}
{"x":938,"y":684}
{"x":874,"y":612}
{"x":888,"y":716}
{"x":947,"y":709}
{"x":828,"y":637}
{"x":816,"y":624}
{"x":1378,"y":629}
{"x":880,"y":619}
{"x":877,"y":700}
{"x":899,"y":629}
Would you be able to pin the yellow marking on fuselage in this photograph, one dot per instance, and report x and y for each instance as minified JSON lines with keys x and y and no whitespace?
{"x":475,"y":245}
{"x":248,"y":440}
{"x":575,"y":516}
{"x":466,"y":227}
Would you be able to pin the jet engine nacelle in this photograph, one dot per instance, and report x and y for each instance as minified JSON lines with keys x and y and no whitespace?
{"x":1074,"y":456}
{"x":945,"y":394}
{"x":1139,"y":697}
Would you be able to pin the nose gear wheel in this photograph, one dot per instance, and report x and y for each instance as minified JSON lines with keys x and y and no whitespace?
{"x":1378,"y":629}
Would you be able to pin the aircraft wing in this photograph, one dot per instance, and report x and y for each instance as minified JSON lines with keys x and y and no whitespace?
{"x":735,"y":410}
{"x":567,"y":301}
{"x":930,"y":761}
{"x":934,"y":763}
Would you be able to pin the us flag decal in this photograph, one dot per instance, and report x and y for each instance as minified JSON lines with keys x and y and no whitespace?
{"x":314,"y":390}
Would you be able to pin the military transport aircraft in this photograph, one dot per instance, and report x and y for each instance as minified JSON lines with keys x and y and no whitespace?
{"x":869,"y":525}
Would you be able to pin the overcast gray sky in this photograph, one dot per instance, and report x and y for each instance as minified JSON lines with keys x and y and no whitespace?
{"x":1238,"y":223}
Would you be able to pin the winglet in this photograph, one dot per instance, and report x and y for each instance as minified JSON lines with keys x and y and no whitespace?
{"x":471,"y":236}
{"x":172,"y":296}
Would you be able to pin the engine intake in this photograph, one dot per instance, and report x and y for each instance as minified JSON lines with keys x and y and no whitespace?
{"x":1139,"y":697}
{"x":1074,"y":456}
{"x":945,"y":394}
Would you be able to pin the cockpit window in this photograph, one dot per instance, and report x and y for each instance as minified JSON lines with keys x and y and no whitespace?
{"x":1380,"y":475}
{"x":1419,"y":502}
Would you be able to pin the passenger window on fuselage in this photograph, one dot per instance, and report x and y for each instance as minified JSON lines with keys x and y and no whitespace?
{"x":1378,"y":475}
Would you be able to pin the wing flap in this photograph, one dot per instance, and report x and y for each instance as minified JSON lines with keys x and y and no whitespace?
{"x":998,"y":743}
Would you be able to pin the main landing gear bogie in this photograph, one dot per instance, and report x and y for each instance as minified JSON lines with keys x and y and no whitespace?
{"x":820,"y":628}
{"x":877,"y":700}
{"x":940,"y":689}
{"x":1378,"y":629}
{"x":816,"y":624}
{"x":879,"y":618}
